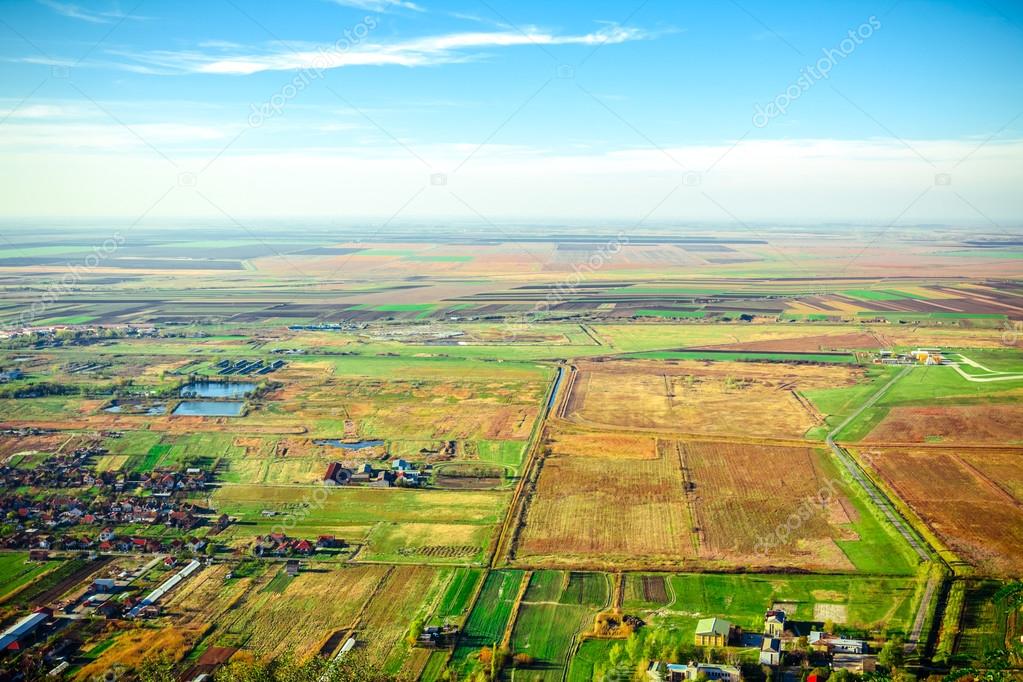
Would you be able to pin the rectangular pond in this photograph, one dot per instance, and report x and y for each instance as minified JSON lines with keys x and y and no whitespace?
{"x":217,"y":389}
{"x":209,"y":408}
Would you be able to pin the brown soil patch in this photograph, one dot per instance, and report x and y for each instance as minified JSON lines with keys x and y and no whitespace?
{"x":998,"y":424}
{"x":807,"y":344}
{"x":978,"y":516}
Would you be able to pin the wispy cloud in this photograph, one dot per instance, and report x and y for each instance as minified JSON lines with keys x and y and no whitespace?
{"x":72,"y":11}
{"x":379,"y":5}
{"x":425,"y":51}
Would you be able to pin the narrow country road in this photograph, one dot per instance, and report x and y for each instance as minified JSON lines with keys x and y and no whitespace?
{"x":854,"y":471}
{"x":885,"y":505}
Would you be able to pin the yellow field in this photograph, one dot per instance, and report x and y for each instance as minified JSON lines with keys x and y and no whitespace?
{"x":698,"y":398}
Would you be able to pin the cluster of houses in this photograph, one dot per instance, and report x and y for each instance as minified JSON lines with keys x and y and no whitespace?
{"x":920,"y":356}
{"x":281,"y":545}
{"x":401,"y":473}
{"x":777,"y":636}
{"x":57,"y":522}
{"x":61,"y":471}
{"x":167,"y":481}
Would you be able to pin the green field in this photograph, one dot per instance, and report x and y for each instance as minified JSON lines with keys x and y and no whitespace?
{"x":455,"y":601}
{"x":673,"y":314}
{"x":16,"y":571}
{"x":489,"y":617}
{"x":556,"y":607}
{"x":869,"y":602}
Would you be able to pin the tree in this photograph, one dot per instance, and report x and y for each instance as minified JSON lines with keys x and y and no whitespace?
{"x":522,"y":660}
{"x":893,"y":653}
{"x":415,"y":628}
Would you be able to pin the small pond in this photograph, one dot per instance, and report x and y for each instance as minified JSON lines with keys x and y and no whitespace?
{"x":217,"y":389}
{"x":129,"y":408}
{"x":209,"y":408}
{"x":361,"y":445}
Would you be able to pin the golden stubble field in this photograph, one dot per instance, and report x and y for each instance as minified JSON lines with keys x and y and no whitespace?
{"x":637,"y":501}
{"x":701,"y":398}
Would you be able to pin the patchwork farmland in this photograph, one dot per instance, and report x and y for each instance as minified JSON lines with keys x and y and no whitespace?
{"x":446,"y":484}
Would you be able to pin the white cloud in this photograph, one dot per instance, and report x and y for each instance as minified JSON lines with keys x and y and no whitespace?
{"x":425,"y":51}
{"x":72,"y":11}
{"x":379,"y":5}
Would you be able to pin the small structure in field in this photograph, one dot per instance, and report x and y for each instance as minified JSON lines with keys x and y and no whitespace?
{"x":437,"y":636}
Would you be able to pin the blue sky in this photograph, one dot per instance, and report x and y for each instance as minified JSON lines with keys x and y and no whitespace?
{"x":588,"y":109}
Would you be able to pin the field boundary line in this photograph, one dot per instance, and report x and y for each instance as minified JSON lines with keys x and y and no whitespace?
{"x":508,"y":533}
{"x":513,"y":617}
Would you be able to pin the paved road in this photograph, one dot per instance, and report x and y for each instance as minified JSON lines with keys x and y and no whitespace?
{"x":921,"y":614}
{"x":885,"y":505}
{"x":854,"y":470}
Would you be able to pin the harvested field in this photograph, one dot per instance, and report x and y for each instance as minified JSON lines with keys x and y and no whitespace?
{"x":996,"y":424}
{"x":969,"y":499}
{"x":604,"y":511}
{"x":695,"y":397}
{"x":702,"y":505}
{"x":296,"y":618}
{"x":744,"y":499}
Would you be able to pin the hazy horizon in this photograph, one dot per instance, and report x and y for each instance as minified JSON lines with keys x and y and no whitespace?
{"x":904,"y":112}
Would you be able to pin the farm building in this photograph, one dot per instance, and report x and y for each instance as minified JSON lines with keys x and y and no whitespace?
{"x":675,"y":672}
{"x":774,"y":622}
{"x":832,"y":644}
{"x":291,"y":568}
{"x":437,"y":636}
{"x":337,"y":474}
{"x":713,"y":632}
{"x":12,"y":637}
{"x":156,"y":595}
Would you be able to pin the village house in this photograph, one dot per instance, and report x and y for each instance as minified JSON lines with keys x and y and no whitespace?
{"x":714,"y":632}
{"x":437,"y":636}
{"x":770,"y":651}
{"x":675,"y":672}
{"x":774,"y":623}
